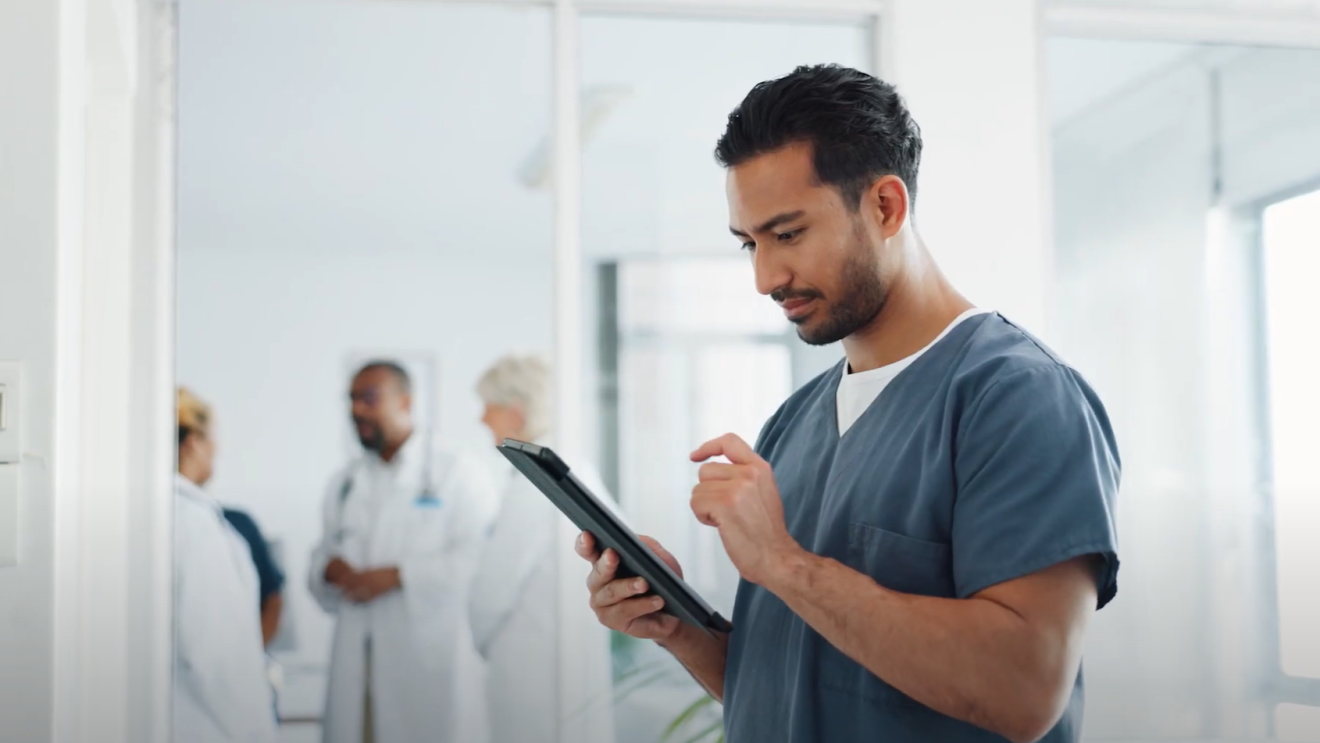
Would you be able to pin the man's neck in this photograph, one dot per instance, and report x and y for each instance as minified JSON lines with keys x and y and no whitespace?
{"x":390,"y":451}
{"x":192,"y":475}
{"x":920,"y":305}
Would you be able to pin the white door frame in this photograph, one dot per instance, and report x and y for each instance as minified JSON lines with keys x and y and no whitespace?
{"x":146,"y":393}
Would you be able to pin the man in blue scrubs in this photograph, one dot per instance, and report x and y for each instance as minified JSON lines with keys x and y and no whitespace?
{"x":923,"y":531}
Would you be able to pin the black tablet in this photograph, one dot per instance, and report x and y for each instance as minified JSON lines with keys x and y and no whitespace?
{"x":552,"y":477}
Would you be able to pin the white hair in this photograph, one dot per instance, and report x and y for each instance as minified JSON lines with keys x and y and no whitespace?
{"x":521,"y":381}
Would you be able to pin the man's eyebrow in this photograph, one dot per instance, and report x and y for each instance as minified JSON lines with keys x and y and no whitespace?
{"x":771,"y":223}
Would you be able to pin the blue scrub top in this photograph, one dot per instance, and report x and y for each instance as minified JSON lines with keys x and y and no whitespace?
{"x":269,"y":575}
{"x":985,"y":460}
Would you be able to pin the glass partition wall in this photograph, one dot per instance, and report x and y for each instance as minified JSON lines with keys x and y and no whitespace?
{"x":681,"y":348}
{"x":351,"y":187}
{"x":356,"y":185}
{"x":341,"y":199}
{"x":1185,"y":251}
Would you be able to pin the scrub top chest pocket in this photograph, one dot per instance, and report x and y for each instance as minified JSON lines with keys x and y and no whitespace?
{"x":899,"y":563}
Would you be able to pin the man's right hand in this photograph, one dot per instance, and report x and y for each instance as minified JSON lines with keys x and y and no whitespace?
{"x":337,"y":571}
{"x":619,"y":604}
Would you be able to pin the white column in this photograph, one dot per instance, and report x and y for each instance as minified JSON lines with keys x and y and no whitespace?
{"x":104,"y":507}
{"x":41,"y":68}
{"x":152,"y":426}
{"x":124,"y":639}
{"x":971,"y":72}
{"x":70,"y":284}
{"x":585,"y":712}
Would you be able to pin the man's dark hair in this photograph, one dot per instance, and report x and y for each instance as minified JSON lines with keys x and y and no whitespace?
{"x":395,"y":370}
{"x":857,"y":125}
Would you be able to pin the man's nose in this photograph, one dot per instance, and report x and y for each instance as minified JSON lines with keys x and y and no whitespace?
{"x":771,"y":273}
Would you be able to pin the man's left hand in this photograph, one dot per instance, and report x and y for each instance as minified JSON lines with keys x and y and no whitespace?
{"x":369,"y":585}
{"x":742,"y":501}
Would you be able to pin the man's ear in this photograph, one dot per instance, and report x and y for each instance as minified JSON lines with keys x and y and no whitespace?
{"x":890,"y":199}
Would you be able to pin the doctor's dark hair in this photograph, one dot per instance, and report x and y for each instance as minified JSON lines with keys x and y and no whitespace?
{"x":395,"y":370}
{"x":858,"y":127}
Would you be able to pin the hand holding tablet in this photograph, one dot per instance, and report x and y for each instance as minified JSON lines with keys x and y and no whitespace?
{"x":634,"y":557}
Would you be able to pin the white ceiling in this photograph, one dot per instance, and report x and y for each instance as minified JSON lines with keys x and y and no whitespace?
{"x":1084,"y":72}
{"x":1270,"y":6}
{"x":349,"y":125}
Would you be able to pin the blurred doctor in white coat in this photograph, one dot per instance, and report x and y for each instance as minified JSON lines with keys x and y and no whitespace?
{"x":514,"y":607}
{"x":221,"y":689}
{"x":403,"y":528}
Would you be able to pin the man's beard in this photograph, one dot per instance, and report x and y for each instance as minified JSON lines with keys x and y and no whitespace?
{"x":373,"y":440}
{"x":862,"y":295}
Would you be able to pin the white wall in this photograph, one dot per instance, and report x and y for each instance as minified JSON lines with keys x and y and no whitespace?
{"x":265,"y":335}
{"x":84,"y":619}
{"x":41,"y":87}
{"x":1271,"y":109}
{"x":975,"y":87}
{"x":33,"y":48}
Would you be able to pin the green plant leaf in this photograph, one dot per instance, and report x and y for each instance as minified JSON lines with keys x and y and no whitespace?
{"x":641,"y":683}
{"x":684,"y":716}
{"x":717,"y":725}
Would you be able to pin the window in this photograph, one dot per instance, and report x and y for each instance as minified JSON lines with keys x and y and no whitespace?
{"x":695,"y":360}
{"x":1290,"y":266}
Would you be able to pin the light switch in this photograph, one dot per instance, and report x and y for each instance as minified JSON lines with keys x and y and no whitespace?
{"x":9,"y":546}
{"x":11,"y":420}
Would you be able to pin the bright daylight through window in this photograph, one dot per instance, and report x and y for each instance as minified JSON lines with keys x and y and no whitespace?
{"x":1290,"y":265}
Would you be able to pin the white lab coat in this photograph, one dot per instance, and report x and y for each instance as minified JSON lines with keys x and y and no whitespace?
{"x":221,"y":691}
{"x":515,"y":619}
{"x":426,"y":675}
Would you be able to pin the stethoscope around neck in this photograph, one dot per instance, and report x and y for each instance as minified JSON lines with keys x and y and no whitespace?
{"x":426,"y":497}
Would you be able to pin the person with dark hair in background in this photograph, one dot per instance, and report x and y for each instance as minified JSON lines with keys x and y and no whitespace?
{"x":923,"y":531}
{"x":404,"y":526}
{"x":221,"y":690}
{"x":269,"y":576}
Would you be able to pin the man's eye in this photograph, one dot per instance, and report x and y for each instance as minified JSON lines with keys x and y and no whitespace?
{"x":786,"y":236}
{"x":749,"y":245}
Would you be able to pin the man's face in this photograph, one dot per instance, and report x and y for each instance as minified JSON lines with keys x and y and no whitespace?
{"x":812,"y":254}
{"x":381,"y":410}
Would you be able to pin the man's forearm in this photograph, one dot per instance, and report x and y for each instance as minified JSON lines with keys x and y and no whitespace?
{"x":270,"y":617}
{"x":972,"y":659}
{"x":702,"y":655}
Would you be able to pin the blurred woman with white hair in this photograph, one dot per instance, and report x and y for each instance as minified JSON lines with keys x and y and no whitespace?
{"x":514,"y":611}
